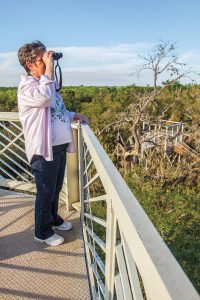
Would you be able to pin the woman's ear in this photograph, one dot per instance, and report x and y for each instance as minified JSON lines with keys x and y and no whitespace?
{"x":29,"y":66}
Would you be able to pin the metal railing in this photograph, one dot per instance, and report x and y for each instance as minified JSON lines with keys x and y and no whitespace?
{"x":153,"y":133}
{"x":15,"y":169}
{"x":126,"y":257}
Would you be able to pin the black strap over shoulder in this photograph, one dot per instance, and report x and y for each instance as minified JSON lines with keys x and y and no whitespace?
{"x":59,"y":80}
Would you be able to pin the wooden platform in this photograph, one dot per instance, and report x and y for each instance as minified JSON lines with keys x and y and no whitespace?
{"x":29,"y":270}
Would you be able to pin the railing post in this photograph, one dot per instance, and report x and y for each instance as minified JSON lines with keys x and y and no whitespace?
{"x":181,"y":136}
{"x":70,"y":190}
{"x":82,"y":211}
{"x":111,"y":235}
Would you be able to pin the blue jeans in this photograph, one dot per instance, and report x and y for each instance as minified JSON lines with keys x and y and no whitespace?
{"x":49,"y":176}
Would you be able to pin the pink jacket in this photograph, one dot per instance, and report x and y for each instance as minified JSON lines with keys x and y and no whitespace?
{"x":35,"y":97}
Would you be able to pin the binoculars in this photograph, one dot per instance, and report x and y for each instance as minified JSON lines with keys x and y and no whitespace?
{"x":57,"y":55}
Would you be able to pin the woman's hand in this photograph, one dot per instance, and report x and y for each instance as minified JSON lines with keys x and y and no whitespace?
{"x":83,"y":119}
{"x":48,"y":57}
{"x":49,"y":62}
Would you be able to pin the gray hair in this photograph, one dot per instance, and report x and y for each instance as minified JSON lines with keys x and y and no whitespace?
{"x":29,"y":52}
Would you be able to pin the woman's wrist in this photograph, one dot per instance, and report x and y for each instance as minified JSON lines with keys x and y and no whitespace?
{"x":76,"y":117}
{"x":81,"y":118}
{"x":50,"y":71}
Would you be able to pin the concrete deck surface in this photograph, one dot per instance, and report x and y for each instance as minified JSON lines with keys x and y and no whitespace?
{"x":29,"y":270}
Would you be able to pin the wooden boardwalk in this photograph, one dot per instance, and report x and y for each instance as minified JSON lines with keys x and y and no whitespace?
{"x":29,"y":270}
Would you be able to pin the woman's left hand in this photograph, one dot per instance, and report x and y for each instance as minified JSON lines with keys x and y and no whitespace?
{"x":81,"y":118}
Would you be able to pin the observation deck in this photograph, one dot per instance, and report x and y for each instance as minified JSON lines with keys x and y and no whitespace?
{"x":29,"y":270}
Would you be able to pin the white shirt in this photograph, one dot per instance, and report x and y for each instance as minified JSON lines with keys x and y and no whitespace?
{"x":61,"y":122}
{"x":35,"y":99}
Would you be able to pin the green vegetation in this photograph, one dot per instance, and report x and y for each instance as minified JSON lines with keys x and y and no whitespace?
{"x":171,"y":204}
{"x":175,"y":212}
{"x":8,"y":99}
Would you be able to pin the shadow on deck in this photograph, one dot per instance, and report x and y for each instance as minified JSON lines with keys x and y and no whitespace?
{"x":29,"y":270}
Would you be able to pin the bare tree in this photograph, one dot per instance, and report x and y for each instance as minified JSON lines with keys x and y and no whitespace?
{"x":162,"y":60}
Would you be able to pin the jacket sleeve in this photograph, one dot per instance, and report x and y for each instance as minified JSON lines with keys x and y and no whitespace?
{"x":37,"y":93}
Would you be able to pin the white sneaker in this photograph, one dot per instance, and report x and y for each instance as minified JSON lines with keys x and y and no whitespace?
{"x":65,"y":226}
{"x":53,"y":240}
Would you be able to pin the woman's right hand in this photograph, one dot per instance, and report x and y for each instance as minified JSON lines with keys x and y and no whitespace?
{"x":49,"y":62}
{"x":48,"y":57}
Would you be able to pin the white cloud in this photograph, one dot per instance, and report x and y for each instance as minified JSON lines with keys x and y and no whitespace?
{"x":8,"y":61}
{"x":100,"y":65}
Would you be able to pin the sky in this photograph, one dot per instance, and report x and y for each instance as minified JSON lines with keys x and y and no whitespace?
{"x":101,"y":40}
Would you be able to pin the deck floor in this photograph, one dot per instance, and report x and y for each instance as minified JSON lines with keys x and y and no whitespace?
{"x":29,"y":270}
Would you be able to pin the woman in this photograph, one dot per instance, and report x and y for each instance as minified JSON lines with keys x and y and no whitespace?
{"x":48,"y":136}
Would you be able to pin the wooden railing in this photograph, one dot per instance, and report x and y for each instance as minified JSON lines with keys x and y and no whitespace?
{"x":126,"y":257}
